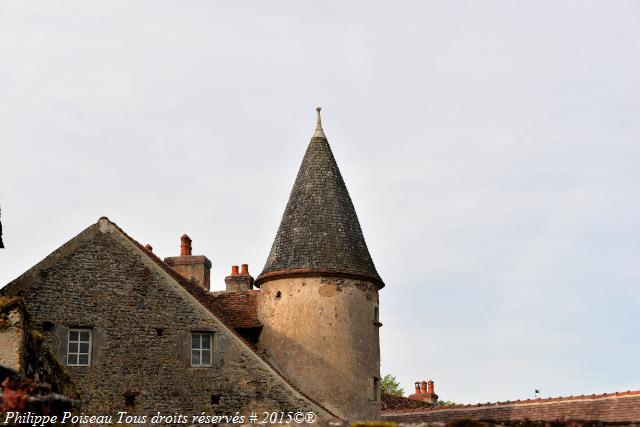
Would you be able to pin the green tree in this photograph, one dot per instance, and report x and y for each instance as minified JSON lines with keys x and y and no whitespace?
{"x":390,"y":385}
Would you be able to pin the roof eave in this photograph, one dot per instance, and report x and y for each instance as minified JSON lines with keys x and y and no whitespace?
{"x":314,"y":272}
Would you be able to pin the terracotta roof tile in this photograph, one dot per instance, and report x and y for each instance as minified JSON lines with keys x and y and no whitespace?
{"x":240,"y":308}
{"x":609,"y":407}
{"x":391,"y":402}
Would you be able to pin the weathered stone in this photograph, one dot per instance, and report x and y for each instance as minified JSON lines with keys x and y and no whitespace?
{"x":321,"y":332}
{"x":12,"y":338}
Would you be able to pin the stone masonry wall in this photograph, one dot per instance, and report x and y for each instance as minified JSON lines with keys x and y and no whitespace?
{"x":31,"y":379}
{"x":11,"y":333}
{"x":322,"y":332}
{"x":141,"y":326}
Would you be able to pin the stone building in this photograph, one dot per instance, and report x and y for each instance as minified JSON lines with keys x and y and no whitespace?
{"x":141,"y":334}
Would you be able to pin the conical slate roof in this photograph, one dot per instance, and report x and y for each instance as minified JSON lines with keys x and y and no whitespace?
{"x":319,"y":232}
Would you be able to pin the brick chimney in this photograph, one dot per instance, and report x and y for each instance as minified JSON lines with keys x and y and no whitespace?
{"x":425,"y":392}
{"x":191,"y":267}
{"x":239,"y":281}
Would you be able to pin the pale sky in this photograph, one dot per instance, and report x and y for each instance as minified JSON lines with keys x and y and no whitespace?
{"x":491,"y":150}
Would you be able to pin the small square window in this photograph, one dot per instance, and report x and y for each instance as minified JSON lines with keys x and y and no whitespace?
{"x":79,"y":347}
{"x":201,"y":348}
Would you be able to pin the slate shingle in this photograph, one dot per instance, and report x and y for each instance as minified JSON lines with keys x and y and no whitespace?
{"x":320,"y":231}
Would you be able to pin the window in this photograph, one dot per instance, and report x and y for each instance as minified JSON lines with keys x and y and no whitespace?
{"x":376,"y":316}
{"x":79,"y":347}
{"x":201,"y":349}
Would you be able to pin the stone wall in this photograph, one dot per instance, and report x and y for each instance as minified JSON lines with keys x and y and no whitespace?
{"x":141,"y":323}
{"x":12,"y":323}
{"x":322,"y":332}
{"x":31,"y":379}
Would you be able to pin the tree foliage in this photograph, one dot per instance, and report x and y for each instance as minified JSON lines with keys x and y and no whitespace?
{"x":390,"y":385}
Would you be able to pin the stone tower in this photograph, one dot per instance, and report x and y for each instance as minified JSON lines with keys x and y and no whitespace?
{"x":319,"y":299}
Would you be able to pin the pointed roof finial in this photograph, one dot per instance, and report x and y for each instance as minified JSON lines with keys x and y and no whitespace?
{"x":319,"y":133}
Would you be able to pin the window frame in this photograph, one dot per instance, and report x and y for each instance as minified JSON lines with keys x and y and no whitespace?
{"x":78,"y":342}
{"x":200,"y":349}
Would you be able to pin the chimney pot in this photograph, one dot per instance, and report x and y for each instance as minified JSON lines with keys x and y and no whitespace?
{"x":185,"y":245}
{"x":148,"y":247}
{"x":239,"y":281}
{"x":425,"y":392}
{"x":195,"y":268}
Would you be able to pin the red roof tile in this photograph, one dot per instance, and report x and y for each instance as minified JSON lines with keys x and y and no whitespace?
{"x":610,"y":407}
{"x":391,"y":402}
{"x":240,"y":308}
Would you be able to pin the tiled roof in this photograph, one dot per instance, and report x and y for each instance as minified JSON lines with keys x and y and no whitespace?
{"x":319,"y":232}
{"x":240,"y":308}
{"x":389,"y":402}
{"x":608,"y":407}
